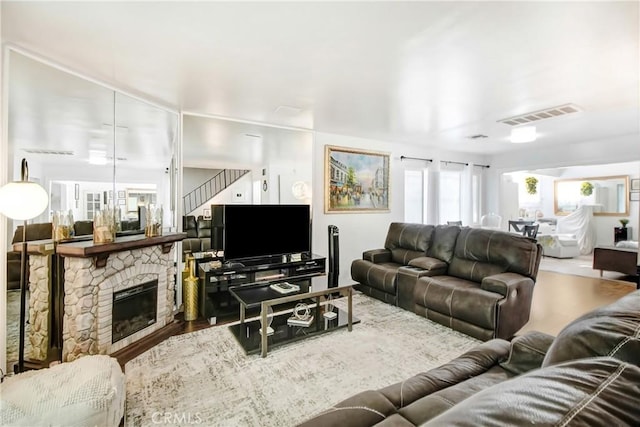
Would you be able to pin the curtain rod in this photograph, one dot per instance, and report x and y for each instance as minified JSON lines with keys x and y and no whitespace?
{"x":415,"y":158}
{"x":463,"y":163}
{"x":441,"y":161}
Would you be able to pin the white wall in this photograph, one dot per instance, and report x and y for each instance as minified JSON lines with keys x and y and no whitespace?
{"x":363,"y":231}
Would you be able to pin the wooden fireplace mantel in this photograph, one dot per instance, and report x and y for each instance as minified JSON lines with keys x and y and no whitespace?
{"x":88,"y":249}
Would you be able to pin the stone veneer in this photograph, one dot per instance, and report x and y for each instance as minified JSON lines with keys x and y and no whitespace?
{"x":88,"y":299}
{"x":39,"y":269}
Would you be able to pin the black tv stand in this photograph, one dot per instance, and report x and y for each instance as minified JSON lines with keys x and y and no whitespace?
{"x":215,"y":300}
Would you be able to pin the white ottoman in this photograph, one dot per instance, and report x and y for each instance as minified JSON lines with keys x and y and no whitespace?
{"x":89,"y":391}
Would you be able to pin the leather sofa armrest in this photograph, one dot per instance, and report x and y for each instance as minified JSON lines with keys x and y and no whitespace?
{"x":474,"y":362}
{"x":377,"y":256}
{"x":527,"y":352}
{"x":361,"y":410}
{"x":429,"y":264}
{"x":504,"y":283}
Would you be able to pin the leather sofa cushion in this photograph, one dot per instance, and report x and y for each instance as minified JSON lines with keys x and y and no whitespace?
{"x":458,"y":298}
{"x":190,"y":226}
{"x":473,"y":270}
{"x":613,"y":330}
{"x":408,"y":241}
{"x":443,"y":242}
{"x":42,"y":231}
{"x":509,"y":252}
{"x":586,"y":392}
{"x":83,"y":228}
{"x":204,"y":228}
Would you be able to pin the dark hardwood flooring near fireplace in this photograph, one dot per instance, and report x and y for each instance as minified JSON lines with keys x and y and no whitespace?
{"x":558,"y":299}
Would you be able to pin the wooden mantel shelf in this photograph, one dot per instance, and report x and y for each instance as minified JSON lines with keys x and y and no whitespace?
{"x":87,"y":249}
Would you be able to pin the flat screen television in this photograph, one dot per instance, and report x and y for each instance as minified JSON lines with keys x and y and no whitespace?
{"x":253,"y":231}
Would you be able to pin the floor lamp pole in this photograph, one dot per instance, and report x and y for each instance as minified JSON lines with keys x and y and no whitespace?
{"x":23,"y":298}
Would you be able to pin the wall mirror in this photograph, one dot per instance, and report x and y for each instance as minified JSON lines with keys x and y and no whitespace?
{"x":607,"y":194}
{"x":88,"y":146}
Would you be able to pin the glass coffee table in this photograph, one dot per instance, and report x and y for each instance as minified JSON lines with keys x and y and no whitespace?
{"x":288,"y":318}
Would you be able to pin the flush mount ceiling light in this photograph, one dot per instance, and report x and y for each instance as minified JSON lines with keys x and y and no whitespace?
{"x":523,"y":134}
{"x":97,"y":157}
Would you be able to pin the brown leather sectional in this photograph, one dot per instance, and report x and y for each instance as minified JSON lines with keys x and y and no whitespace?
{"x":476,"y":281}
{"x":589,"y":375}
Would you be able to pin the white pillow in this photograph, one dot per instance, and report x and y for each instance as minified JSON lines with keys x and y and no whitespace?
{"x":631,"y":244}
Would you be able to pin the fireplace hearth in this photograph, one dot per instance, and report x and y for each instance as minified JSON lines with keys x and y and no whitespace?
{"x":134,"y":309}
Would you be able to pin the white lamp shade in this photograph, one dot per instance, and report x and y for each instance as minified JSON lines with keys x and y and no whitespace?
{"x":23,"y":200}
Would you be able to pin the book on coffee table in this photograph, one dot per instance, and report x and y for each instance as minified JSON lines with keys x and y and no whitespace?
{"x":285,"y":288}
{"x":294,"y":321}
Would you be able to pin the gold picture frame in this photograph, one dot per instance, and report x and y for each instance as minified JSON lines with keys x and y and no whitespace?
{"x":356,"y":181}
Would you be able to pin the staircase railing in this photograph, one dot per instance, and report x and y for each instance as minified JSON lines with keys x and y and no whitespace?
{"x":212,"y":187}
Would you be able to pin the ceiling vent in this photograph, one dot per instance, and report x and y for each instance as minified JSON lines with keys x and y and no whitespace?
{"x":535,"y":116}
{"x":45,"y":151}
{"x":478,"y":136}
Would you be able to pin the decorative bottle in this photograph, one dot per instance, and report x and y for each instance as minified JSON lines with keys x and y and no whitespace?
{"x":190,"y":292}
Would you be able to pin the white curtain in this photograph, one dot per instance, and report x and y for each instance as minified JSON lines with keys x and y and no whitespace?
{"x":579,"y":223}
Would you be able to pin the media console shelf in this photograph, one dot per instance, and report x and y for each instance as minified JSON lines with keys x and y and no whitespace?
{"x":215,"y":300}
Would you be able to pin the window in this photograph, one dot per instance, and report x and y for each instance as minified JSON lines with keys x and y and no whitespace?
{"x":93,"y":203}
{"x":450,"y":190}
{"x":415,"y":195}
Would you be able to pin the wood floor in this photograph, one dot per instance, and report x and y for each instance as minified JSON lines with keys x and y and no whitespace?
{"x":560,"y":298}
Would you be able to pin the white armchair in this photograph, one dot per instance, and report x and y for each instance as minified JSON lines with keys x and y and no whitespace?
{"x":491,"y":221}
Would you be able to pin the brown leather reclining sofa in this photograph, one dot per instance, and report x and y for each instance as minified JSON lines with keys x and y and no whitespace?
{"x":589,"y":375}
{"x":476,"y":281}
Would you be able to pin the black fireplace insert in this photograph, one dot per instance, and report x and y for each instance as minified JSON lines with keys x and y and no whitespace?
{"x":134,"y":309}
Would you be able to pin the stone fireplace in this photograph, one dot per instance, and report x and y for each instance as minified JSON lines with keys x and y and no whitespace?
{"x":88,"y":301}
{"x":134,"y":275}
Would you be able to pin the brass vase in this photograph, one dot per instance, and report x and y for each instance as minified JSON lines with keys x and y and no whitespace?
{"x":190,"y":293}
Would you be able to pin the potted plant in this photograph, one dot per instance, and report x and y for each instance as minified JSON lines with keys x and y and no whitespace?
{"x":624,"y":222}
{"x":586,"y":189}
{"x":532,"y":184}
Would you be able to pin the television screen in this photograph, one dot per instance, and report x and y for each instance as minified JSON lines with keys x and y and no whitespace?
{"x":252,"y":231}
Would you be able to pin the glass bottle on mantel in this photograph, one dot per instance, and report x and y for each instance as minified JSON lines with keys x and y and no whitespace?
{"x":104,"y":226}
{"x":190,"y":292}
{"x":153,"y":225}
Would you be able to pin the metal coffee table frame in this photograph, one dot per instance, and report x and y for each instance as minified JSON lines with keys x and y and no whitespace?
{"x":342,"y":291}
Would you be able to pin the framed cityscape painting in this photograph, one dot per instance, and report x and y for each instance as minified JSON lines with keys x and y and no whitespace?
{"x":355,"y":180}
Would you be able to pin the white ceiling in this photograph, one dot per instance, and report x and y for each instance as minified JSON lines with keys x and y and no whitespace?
{"x":429,"y":73}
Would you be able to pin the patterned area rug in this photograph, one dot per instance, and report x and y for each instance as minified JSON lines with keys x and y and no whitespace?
{"x":205,"y":378}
